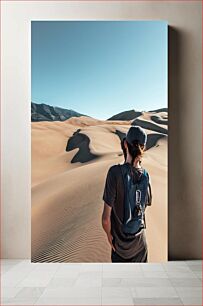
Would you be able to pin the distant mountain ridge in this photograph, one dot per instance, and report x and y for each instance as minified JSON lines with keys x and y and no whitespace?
{"x":133,"y":114}
{"x":45,"y":112}
{"x":126,"y":115}
{"x":159,"y":110}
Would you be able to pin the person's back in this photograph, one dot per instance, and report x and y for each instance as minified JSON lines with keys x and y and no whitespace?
{"x":126,"y":247}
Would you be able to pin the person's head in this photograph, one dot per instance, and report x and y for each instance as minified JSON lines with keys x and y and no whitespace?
{"x":134,"y":143}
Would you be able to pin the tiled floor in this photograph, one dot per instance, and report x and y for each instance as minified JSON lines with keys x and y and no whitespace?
{"x":172,"y":283}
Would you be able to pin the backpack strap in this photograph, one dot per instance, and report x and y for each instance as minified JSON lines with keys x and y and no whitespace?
{"x":145,"y":222}
{"x":145,"y":173}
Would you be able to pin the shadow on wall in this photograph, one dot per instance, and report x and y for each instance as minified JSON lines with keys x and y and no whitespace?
{"x":184,"y":227}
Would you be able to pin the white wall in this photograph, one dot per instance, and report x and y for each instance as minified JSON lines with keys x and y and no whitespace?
{"x":184,"y":18}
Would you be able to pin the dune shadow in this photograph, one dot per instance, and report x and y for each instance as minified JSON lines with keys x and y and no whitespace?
{"x":159,"y":120}
{"x":149,"y":126}
{"x":120,"y":134}
{"x":152,"y":140}
{"x":81,"y":141}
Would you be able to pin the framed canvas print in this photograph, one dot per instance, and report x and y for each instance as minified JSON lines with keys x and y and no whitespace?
{"x":99,"y":112}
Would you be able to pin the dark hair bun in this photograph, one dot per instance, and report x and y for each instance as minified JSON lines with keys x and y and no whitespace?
{"x":135,"y":150}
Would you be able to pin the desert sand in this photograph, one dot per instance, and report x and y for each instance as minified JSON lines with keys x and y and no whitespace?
{"x":70,"y":161}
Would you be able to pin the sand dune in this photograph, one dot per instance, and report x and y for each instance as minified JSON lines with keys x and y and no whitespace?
{"x":150,"y":125}
{"x":70,"y":160}
{"x":160,"y":119}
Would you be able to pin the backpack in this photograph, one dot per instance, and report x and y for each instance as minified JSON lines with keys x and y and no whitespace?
{"x":135,"y":197}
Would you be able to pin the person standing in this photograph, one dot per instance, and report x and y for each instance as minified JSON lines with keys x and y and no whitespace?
{"x":124,"y":223}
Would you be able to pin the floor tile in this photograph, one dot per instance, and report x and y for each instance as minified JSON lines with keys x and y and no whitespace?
{"x":116,"y":292}
{"x":90,"y":274}
{"x":151,"y":267}
{"x":196,"y":268}
{"x":185,"y":282}
{"x":189,"y":291}
{"x":117,"y":301}
{"x":21,"y":301}
{"x":177,"y":268}
{"x":6,"y":268}
{"x":123,"y":267}
{"x":111,"y":282}
{"x":157,"y":301}
{"x":74,"y":292}
{"x":57,"y":282}
{"x":15,"y":275}
{"x":97,"y":267}
{"x":192,"y":301}
{"x":198,"y":274}
{"x":175,"y":263}
{"x":178,"y":274}
{"x":193,"y":262}
{"x":40,"y":276}
{"x":154,"y":292}
{"x":146,"y":282}
{"x":36,"y":281}
{"x":69,"y":301}
{"x":88,"y":282}
{"x":27,"y":292}
{"x":89,"y":279}
{"x":68,"y":271}
{"x":9,"y":292}
{"x":155,"y":274}
{"x":172,"y":283}
{"x":122,"y":274}
{"x":4,"y":301}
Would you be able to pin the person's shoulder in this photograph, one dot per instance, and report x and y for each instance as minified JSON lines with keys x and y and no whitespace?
{"x":114,"y":169}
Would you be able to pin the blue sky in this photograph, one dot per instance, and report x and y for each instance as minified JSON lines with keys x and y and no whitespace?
{"x":100,"y":68}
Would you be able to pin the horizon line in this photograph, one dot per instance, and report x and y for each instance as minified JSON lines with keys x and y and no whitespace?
{"x":98,"y":118}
